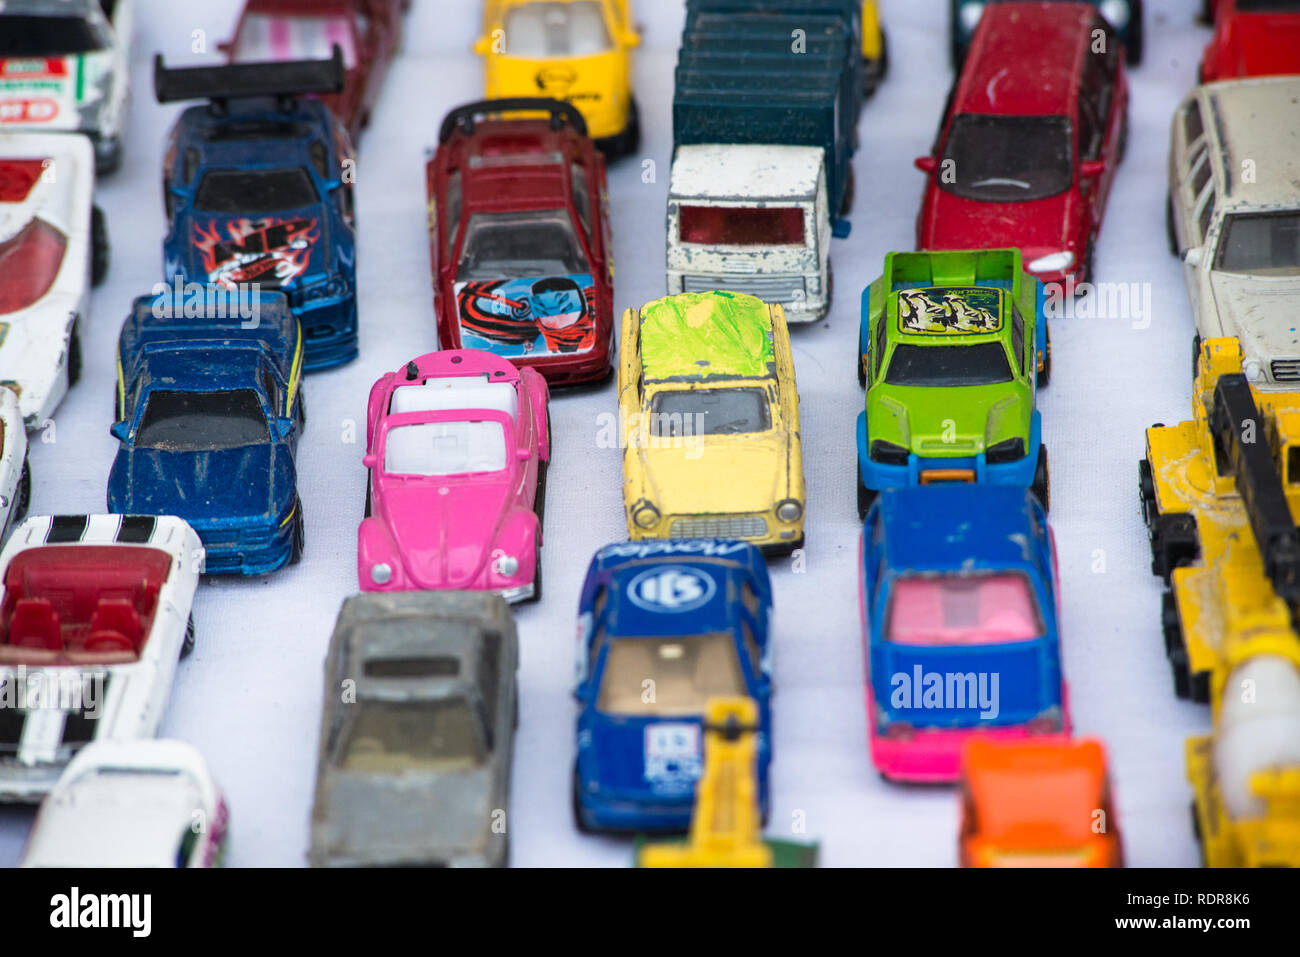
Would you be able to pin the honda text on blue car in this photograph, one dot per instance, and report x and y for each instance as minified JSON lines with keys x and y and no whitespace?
{"x":258,"y":190}
{"x":664,"y":626}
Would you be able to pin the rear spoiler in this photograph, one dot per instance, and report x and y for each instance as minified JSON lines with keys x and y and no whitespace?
{"x":284,"y":79}
{"x":465,"y":117}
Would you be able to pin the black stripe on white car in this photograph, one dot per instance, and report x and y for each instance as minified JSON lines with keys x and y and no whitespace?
{"x":137,"y":528}
{"x":66,"y":528}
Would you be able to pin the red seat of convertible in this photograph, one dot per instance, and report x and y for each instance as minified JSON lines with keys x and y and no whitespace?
{"x":115,"y":626}
{"x":35,"y":625}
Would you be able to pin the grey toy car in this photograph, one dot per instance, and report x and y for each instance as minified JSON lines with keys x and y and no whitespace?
{"x":417,"y":729}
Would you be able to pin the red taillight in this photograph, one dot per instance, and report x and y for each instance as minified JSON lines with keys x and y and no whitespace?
{"x":899,"y":731}
{"x":741,"y":226}
{"x":29,"y":262}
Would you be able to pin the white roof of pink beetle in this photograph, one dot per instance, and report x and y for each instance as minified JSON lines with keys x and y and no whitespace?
{"x":450,"y":393}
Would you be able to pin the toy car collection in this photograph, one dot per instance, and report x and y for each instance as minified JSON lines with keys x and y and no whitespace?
{"x":135,"y":803}
{"x":64,"y":66}
{"x":1239,"y":238}
{"x":1252,"y":38}
{"x":707,"y":397}
{"x":209,"y":413}
{"x":53,"y":247}
{"x":1030,"y":139}
{"x":574,"y":50}
{"x":691,"y":618}
{"x":1125,"y":16}
{"x":519,"y":239}
{"x":95,"y":615}
{"x":367,"y":31}
{"x":457,"y":445}
{"x":952,"y":347}
{"x":416,"y":770}
{"x":255,"y":192}
{"x":1037,"y":804}
{"x":960,"y":620}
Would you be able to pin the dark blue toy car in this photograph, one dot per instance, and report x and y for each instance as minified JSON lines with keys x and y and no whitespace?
{"x":257,"y":193}
{"x":209,"y":410}
{"x":663,"y":627}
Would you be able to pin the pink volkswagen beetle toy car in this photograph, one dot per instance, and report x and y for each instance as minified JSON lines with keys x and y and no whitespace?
{"x":457,"y":444}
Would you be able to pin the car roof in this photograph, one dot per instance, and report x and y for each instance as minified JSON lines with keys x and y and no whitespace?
{"x":210,"y":366}
{"x":254,"y":131}
{"x":1025,"y":59}
{"x":1028,"y":789}
{"x":959,"y":527}
{"x":629,"y":619}
{"x":722,"y":172}
{"x":513,"y":163}
{"x":947,"y":315}
{"x":733,"y":329}
{"x":1256,"y":119}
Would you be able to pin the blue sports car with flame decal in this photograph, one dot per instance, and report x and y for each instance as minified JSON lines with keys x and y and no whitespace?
{"x":663,"y":627}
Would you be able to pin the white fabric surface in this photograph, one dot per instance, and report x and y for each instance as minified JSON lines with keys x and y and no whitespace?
{"x":250,"y":696}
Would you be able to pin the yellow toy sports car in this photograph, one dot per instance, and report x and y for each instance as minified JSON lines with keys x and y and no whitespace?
{"x":579,"y":51}
{"x":709,"y":416}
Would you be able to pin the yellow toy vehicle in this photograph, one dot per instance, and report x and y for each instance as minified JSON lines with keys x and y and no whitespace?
{"x":725,"y":822}
{"x":709,"y":416}
{"x":1211,"y":489}
{"x":579,"y":51}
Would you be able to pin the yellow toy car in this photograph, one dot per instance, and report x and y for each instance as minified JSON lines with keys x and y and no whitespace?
{"x":579,"y":51}
{"x":709,"y":422}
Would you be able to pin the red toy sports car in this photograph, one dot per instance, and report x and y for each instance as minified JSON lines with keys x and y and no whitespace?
{"x":519,"y":239}
{"x":368,"y":31}
{"x":1253,"y":38}
{"x":1031,"y":137}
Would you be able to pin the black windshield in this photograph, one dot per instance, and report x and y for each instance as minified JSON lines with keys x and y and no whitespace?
{"x":255,"y":191}
{"x":944,"y":366}
{"x":49,"y":36}
{"x":519,"y":245}
{"x":1006,"y":159}
{"x":1261,"y":243}
{"x":683,"y":412}
{"x":202,"y":421}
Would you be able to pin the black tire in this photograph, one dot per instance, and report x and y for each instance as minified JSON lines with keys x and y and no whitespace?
{"x":1123,"y":139}
{"x":866,"y":498}
{"x":1146,"y":492}
{"x":1136,"y":34}
{"x":1169,"y":226}
{"x":1045,"y":373}
{"x":1196,"y":356}
{"x":1176,"y":646}
{"x":862,"y":370}
{"x":578,"y":820}
{"x":1089,"y":261}
{"x":539,"y":503}
{"x":74,"y":355}
{"x":632,"y":135}
{"x":24,"y":493}
{"x":299,"y":537}
{"x":1042,"y":486}
{"x":1174,"y":543}
{"x":187,"y":645}
{"x":367,"y":495}
{"x":1196,"y":833}
{"x":98,"y":246}
{"x":302,"y":409}
{"x":850,"y":189}
{"x":537,"y":577}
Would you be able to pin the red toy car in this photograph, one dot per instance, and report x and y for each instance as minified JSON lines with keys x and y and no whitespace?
{"x":1253,"y":38}
{"x":1030,"y":139}
{"x":368,"y":31}
{"x":519,"y":239}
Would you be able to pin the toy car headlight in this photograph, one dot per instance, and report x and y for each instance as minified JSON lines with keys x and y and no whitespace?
{"x":1116,"y":13}
{"x":645,"y":515}
{"x":332,"y":289}
{"x":970,"y":14}
{"x":381,"y":573}
{"x":789,"y":510}
{"x":1053,"y":262}
{"x":1253,"y":369}
{"x":1008,"y":450}
{"x":888,"y":453}
{"x":506,"y":565}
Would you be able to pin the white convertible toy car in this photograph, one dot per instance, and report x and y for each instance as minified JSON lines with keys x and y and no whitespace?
{"x":64,"y":68}
{"x":1234,"y":218}
{"x":95,"y":615}
{"x":131,"y":804}
{"x":53,"y":247}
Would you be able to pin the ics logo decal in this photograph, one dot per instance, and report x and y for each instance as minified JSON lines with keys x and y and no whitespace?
{"x":671,"y":588}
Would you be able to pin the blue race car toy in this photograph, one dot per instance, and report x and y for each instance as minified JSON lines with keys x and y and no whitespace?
{"x":664,"y":626}
{"x":209,"y":410}
{"x":257,"y":193}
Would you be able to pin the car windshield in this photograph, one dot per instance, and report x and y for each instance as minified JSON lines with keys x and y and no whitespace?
{"x":35,"y":36}
{"x":963,"y":610}
{"x":1006,"y":159}
{"x":445,"y":448}
{"x":520,"y":245}
{"x":682,"y":412}
{"x":255,"y":191}
{"x":684,"y":673}
{"x":547,"y":29}
{"x":265,"y":37}
{"x":741,"y":226}
{"x":393,"y":737}
{"x":1266,"y":244}
{"x":202,"y":421}
{"x":948,"y":365}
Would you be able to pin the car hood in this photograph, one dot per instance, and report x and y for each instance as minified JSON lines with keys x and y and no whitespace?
{"x":445,"y":540}
{"x":275,"y":249}
{"x":44,"y":89}
{"x":1261,"y":312}
{"x":248,"y":482}
{"x":1262,"y":45}
{"x":1036,"y":226}
{"x":718,"y":473}
{"x":416,"y":817}
{"x":965,"y":422}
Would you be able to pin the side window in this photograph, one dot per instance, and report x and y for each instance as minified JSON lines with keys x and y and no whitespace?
{"x":1095,"y":91}
{"x":272,"y":393}
{"x":1192,"y":126}
{"x":750,"y":599}
{"x":451,"y":225}
{"x":1018,"y":336}
{"x":1207,"y":216}
{"x":881,"y":341}
{"x":320,"y":159}
{"x":490,"y":672}
{"x":751,"y":646}
{"x":189,"y":167}
{"x":581,"y":197}
{"x":1200,"y":172}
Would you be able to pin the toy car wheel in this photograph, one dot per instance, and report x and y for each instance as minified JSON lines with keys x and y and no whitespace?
{"x":98,"y":246}
{"x":874,"y":72}
{"x":1196,"y":355}
{"x":862,"y":369}
{"x":866,"y":498}
{"x":537,"y":577}
{"x":579,"y":815}
{"x":299,"y":537}
{"x":631,"y":137}
{"x":1087,"y":273}
{"x":1146,"y":492}
{"x":1175,"y":645}
{"x":850,"y":188}
{"x":1042,"y":486}
{"x":1045,"y":366}
{"x":1136,"y":40}
{"x":74,"y":355}
{"x":1174,"y":542}
{"x":187,"y":646}
{"x":367,"y":496}
{"x":1196,"y":832}
{"x":1122,"y":150}
{"x":24,"y":493}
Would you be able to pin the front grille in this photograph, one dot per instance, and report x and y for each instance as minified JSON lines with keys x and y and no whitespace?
{"x":719,"y":526}
{"x":1286,"y":370}
{"x":767,"y":288}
